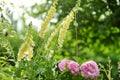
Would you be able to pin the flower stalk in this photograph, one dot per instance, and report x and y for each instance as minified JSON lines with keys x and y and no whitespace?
{"x":65,"y":25}
{"x":26,"y":49}
{"x":49,"y":16}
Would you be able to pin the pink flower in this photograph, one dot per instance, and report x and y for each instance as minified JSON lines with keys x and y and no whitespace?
{"x":89,"y":69}
{"x":71,"y":65}
{"x":63,"y":64}
{"x":74,"y":67}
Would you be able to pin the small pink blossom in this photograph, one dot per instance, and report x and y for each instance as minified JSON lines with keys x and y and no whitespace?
{"x":74,"y":67}
{"x":63,"y":64}
{"x":90,"y":69}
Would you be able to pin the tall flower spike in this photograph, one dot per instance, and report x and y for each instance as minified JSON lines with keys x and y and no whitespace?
{"x":66,"y":24}
{"x":52,"y":36}
{"x":27,"y":47}
{"x":49,"y":16}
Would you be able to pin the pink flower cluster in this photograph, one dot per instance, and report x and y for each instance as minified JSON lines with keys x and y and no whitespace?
{"x":71,"y":65}
{"x":88,"y":69}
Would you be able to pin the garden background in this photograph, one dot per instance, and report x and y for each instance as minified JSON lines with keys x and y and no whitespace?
{"x":94,"y":34}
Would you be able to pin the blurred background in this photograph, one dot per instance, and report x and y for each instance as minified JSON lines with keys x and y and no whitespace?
{"x":94,"y":34}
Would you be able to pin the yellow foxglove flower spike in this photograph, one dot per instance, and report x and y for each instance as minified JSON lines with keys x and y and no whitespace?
{"x":52,"y":36}
{"x":66,"y":24}
{"x":26,"y":50}
{"x":49,"y":16}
